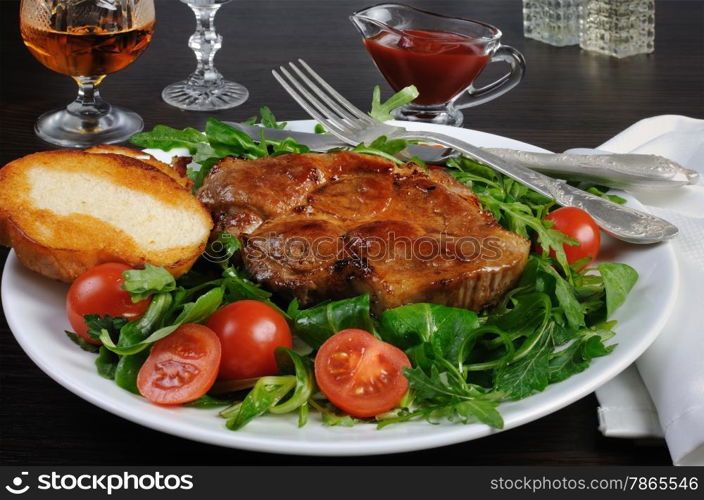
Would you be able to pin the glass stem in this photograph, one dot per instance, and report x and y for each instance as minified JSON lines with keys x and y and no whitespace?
{"x":205,"y":42}
{"x":88,"y":104}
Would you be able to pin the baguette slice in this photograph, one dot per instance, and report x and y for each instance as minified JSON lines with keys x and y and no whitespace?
{"x":177,"y":174}
{"x":66,"y":211}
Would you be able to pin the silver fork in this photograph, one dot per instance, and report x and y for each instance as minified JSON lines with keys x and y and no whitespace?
{"x":351,"y":125}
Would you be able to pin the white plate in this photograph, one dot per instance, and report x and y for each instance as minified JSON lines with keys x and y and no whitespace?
{"x":34,"y":307}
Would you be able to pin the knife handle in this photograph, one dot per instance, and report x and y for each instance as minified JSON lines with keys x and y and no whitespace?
{"x":613,"y":170}
{"x":622,"y":222}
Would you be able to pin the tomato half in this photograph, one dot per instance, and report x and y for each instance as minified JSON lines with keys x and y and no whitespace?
{"x":250,"y":331}
{"x":99,"y":291}
{"x":181,"y":367}
{"x":577,"y":224}
{"x":360,"y":374}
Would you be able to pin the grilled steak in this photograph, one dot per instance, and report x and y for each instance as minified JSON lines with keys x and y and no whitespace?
{"x":329,"y":226}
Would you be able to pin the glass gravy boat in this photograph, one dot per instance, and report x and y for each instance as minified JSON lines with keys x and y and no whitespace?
{"x":442,"y":56}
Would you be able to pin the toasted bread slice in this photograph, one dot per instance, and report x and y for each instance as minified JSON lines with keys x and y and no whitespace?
{"x":66,"y":211}
{"x":177,"y":174}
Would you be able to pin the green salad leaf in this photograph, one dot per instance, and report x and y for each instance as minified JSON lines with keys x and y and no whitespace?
{"x":192,"y":312}
{"x":316,"y":324}
{"x":267,"y":119}
{"x":445,"y":328}
{"x":106,"y":363}
{"x":446,"y":395}
{"x":127,"y":370}
{"x":275,"y":394}
{"x":619,"y":279}
{"x":266,"y":393}
{"x":604,"y":193}
{"x":382,"y":110}
{"x":207,"y":401}
{"x":527,"y":375}
{"x":96,"y":324}
{"x":81,"y":342}
{"x":143,"y":283}
{"x":167,"y":138}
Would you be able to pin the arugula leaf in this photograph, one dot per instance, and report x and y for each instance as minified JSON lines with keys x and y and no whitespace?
{"x":81,"y":342}
{"x":303,"y":371}
{"x":391,"y":147}
{"x":463,"y":412}
{"x":96,"y":324}
{"x":603,"y":192}
{"x":366,"y":150}
{"x":619,"y":279}
{"x":192,"y":312}
{"x":269,"y":120}
{"x":127,"y":370}
{"x":437,"y":385}
{"x":239,"y":287}
{"x":530,"y":374}
{"x":167,"y":138}
{"x":303,"y":413}
{"x":331,"y":419}
{"x":202,"y":162}
{"x":384,"y":148}
{"x":143,"y":283}
{"x":382,"y":111}
{"x":266,"y":393}
{"x":137,"y":330}
{"x":444,"y":395}
{"x":229,"y":141}
{"x":206,"y":402}
{"x":567,"y":362}
{"x":565,"y":295}
{"x":106,"y":363}
{"x":316,"y":324}
{"x":477,"y":409}
{"x":330,"y":415}
{"x":577,"y":356}
{"x":445,"y":328}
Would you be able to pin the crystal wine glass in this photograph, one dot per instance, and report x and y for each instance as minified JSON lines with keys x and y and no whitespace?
{"x":87,"y":40}
{"x":205,"y":89}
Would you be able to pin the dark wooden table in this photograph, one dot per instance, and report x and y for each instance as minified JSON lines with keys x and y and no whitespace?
{"x":569,"y":98}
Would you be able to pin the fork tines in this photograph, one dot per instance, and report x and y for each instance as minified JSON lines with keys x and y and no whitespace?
{"x":320,"y":100}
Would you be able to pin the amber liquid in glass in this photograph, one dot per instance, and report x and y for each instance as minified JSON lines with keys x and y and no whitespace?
{"x":86,"y":50}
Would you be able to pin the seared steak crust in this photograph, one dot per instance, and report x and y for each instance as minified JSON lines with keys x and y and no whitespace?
{"x":329,"y":226}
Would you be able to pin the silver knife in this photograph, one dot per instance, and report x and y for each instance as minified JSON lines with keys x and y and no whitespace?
{"x":621,"y":171}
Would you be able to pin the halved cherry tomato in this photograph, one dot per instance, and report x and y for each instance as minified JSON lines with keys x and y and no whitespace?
{"x":99,"y":291}
{"x":250,"y":331}
{"x":577,"y":224}
{"x":360,"y":374}
{"x":181,"y":367}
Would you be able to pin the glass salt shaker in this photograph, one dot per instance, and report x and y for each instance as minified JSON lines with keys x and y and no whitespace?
{"x":552,"y":21}
{"x":618,"y":28}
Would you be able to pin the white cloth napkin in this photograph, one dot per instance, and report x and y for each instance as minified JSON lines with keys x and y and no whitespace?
{"x":663,"y":393}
